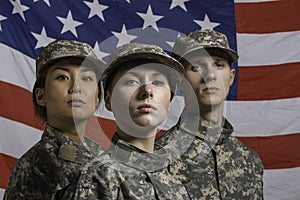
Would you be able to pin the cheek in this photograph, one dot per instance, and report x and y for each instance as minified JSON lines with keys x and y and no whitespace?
{"x":164,"y":99}
{"x":121,"y":98}
{"x":193,"y":78}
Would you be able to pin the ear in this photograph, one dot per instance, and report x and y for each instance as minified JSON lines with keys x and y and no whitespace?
{"x":232,"y":76}
{"x":107,"y":100}
{"x":97,"y":102}
{"x":40,"y":96}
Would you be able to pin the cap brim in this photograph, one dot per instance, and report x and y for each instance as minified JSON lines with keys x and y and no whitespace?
{"x":232,"y":54}
{"x":158,"y":58}
{"x":98,"y":63}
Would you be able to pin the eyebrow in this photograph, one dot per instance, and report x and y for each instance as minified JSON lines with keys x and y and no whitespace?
{"x":61,"y":68}
{"x":153,"y":74}
{"x":66,"y":69}
{"x":217,"y":58}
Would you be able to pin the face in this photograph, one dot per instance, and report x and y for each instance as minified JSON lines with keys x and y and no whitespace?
{"x":140,"y":97}
{"x":211,"y":77}
{"x":70,"y":92}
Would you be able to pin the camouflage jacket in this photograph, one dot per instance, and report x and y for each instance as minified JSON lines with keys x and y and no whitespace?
{"x":48,"y":166}
{"x":212,"y":164}
{"x":126,"y":172}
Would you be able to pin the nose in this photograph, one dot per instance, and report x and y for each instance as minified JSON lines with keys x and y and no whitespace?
{"x":210,"y":73}
{"x":74,"y":88}
{"x":145,"y":91}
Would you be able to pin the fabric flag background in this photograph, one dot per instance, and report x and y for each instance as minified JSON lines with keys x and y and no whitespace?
{"x":264,"y":102}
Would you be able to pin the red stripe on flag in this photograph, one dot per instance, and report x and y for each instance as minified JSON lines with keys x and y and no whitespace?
{"x":267,"y":17}
{"x":269,"y":82}
{"x":6,"y":164}
{"x":276,"y":152}
{"x":101,"y":130}
{"x":17,"y":105}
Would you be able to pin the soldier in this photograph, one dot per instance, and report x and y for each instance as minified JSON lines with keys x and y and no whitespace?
{"x":216,"y":165}
{"x":138,"y":84}
{"x":66,"y":93}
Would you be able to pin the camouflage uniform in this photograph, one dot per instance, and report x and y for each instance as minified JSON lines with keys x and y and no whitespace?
{"x":50,"y":165}
{"x":126,"y":172}
{"x":210,"y":162}
{"x":215,"y":165}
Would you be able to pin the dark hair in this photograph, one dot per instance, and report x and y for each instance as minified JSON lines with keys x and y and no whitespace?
{"x":40,"y":111}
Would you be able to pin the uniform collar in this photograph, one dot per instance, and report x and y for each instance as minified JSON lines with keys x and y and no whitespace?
{"x":136,"y":158}
{"x":209,"y":132}
{"x":72,"y":151}
{"x":213,"y":133}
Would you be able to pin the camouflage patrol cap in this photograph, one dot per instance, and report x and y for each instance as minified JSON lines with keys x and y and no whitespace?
{"x":202,"y":39}
{"x":138,"y":51}
{"x":64,"y":49}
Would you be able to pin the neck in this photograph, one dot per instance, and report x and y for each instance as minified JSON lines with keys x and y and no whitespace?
{"x":213,"y":114}
{"x":74,"y":130}
{"x":145,"y":144}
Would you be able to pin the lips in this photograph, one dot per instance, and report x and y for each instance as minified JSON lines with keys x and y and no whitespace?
{"x":146,"y":108}
{"x":76,"y":102}
{"x":211,"y":90}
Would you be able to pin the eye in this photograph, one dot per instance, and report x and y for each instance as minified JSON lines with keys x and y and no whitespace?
{"x":197,"y":68}
{"x":158,"y":83}
{"x":62,"y":77}
{"x":131,"y":82}
{"x":219,"y":65}
{"x":87,"y":78}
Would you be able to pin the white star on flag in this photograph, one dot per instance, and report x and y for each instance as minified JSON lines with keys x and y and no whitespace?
{"x":150,"y":19}
{"x":96,"y":9}
{"x":69,"y":24}
{"x":1,"y":19}
{"x":46,"y":1}
{"x":206,"y":24}
{"x":100,"y":54}
{"x":123,"y":37}
{"x":42,"y":39}
{"x":19,"y":8}
{"x":178,"y":3}
{"x":171,"y":43}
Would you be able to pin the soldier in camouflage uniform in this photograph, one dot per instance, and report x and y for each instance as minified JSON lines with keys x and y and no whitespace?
{"x":216,"y":165}
{"x":138,"y":78}
{"x":66,"y":93}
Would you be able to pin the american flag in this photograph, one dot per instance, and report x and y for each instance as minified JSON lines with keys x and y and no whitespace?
{"x":264,"y":102}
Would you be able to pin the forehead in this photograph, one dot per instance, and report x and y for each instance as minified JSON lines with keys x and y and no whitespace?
{"x":72,"y":62}
{"x":142,"y":70}
{"x":149,"y":68}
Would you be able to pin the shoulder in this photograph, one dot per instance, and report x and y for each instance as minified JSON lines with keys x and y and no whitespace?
{"x":249,"y":154}
{"x":101,"y":167}
{"x":101,"y":177}
{"x":167,"y":136}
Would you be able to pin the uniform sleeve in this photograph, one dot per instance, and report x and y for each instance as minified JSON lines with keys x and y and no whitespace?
{"x":97,"y":183}
{"x":259,"y":170}
{"x":28,"y":181}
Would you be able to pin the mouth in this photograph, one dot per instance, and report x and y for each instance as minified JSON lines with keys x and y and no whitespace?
{"x":146,"y":108}
{"x":211,"y":90}
{"x":76,"y":102}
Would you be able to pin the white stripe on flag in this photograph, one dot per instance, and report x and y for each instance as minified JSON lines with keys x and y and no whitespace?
{"x":1,"y":193}
{"x":268,"y":49}
{"x":17,"y":138}
{"x":264,"y":118}
{"x":282,"y":184}
{"x":16,"y":68}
